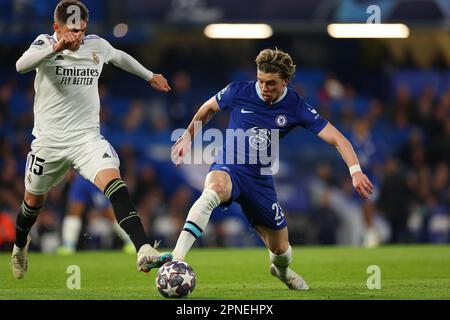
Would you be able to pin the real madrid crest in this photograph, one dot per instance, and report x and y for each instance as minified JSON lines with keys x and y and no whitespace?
{"x":281,"y":120}
{"x":95,"y":58}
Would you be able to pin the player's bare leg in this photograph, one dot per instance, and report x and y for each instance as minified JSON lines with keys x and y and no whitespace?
{"x":26,"y":218}
{"x":280,"y":253}
{"x":217,"y":190}
{"x":116,"y":191}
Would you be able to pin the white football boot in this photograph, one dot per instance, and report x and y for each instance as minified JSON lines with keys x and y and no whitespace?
{"x":292,"y":279}
{"x":19,"y":260}
{"x":149,"y":258}
{"x":371,"y":239}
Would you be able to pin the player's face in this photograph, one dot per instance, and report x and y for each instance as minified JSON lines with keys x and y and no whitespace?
{"x":81,"y":30}
{"x":271,"y":85}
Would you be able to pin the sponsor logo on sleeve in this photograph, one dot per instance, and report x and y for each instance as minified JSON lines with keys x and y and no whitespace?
{"x":221,"y":93}
{"x":38,"y":42}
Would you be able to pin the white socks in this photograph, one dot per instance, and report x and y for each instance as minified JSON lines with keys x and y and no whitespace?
{"x":196,"y":222}
{"x":71,"y":229}
{"x":282,"y":261}
{"x":120,"y":232}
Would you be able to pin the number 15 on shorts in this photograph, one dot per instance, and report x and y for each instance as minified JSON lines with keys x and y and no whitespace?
{"x":36,"y":165}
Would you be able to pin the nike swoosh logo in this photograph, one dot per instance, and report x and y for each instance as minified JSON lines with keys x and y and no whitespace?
{"x":246,"y":111}
{"x":279,"y":223}
{"x":313,"y":111}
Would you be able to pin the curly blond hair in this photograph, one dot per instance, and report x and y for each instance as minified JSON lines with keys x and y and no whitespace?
{"x":276,"y":61}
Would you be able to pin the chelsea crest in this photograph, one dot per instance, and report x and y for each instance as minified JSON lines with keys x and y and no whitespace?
{"x":281,"y":120}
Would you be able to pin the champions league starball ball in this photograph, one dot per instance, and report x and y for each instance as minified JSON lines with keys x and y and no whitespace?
{"x":175,"y":279}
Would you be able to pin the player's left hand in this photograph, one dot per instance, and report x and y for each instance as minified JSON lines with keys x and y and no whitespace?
{"x":362,"y":184}
{"x":159,"y":83}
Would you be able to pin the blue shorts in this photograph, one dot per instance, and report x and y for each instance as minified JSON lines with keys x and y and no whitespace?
{"x":256,"y":195}
{"x":86,"y":192}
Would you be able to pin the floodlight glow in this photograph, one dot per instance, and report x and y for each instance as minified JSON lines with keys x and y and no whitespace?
{"x":120,"y":30}
{"x":368,"y":30}
{"x":238,"y":31}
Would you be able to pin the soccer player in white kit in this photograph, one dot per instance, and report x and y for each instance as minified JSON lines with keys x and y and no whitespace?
{"x":68,"y":65}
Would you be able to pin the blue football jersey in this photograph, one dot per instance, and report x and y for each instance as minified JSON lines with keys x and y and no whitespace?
{"x":261,"y":121}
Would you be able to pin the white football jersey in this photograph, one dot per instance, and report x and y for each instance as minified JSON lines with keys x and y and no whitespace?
{"x":67,"y":102}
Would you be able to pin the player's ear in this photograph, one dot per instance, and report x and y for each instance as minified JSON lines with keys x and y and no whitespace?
{"x":56,"y":26}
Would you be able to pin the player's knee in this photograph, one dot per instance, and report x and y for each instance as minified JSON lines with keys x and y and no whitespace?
{"x":34,"y":201}
{"x":221,"y":189}
{"x":217,"y":187}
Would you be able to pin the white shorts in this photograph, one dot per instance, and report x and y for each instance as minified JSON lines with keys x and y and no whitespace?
{"x":47,"y":166}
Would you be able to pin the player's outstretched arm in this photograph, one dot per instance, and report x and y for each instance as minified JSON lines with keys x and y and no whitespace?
{"x":360,"y":181}
{"x":183,"y":144}
{"x":126,"y":62}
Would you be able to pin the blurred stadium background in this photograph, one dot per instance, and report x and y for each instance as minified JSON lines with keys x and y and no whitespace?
{"x":390,"y":97}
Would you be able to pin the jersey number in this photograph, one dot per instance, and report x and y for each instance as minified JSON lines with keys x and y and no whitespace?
{"x":36,"y":165}
{"x":279,"y":214}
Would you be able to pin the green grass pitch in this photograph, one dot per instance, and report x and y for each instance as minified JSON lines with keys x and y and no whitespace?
{"x":407,"y":272}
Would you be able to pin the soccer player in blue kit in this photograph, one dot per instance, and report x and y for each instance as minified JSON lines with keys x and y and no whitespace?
{"x":84,"y":195}
{"x":260,"y":107}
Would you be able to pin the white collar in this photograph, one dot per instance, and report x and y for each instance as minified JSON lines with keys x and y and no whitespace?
{"x":258,"y":91}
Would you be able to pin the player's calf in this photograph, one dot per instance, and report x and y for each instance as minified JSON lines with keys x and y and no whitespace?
{"x":26,"y":218}
{"x":125,"y":212}
{"x":196,"y":222}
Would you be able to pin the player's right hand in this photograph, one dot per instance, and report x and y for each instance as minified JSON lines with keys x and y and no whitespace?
{"x":159,"y":83}
{"x":362,"y":184}
{"x":69,"y":40}
{"x":180,"y":149}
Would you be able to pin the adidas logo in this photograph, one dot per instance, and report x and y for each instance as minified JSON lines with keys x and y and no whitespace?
{"x":59,"y":57}
{"x":106,"y":156}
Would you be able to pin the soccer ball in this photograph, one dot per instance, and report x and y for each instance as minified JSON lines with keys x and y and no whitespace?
{"x":175,"y":279}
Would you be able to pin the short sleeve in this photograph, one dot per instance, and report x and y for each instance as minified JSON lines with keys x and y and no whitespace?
{"x":309,"y":118}
{"x":225,"y":97}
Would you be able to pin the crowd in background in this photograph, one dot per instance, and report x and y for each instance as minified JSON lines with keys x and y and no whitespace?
{"x":403,"y":144}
